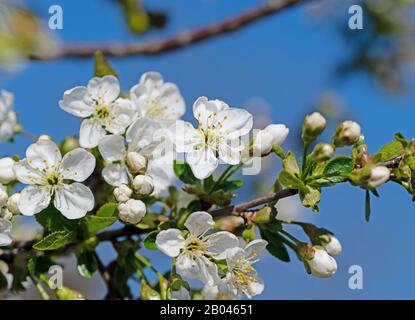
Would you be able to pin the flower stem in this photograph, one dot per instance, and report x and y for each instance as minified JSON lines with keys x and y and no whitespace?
{"x":290,"y":236}
{"x":304,"y":161}
{"x":287,"y":242}
{"x":42,"y":292}
{"x":28,"y":135}
{"x":221,"y":178}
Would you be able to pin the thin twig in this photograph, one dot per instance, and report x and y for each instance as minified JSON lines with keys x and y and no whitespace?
{"x":184,"y":39}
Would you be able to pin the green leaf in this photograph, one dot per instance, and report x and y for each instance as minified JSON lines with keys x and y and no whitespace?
{"x":52,"y":220}
{"x":184,"y":173}
{"x":367,"y":206}
{"x":335,"y":171}
{"x":290,"y":164}
{"x":108,"y":210}
{"x":95,"y":223}
{"x":222,"y":197}
{"x":390,"y":151}
{"x":87,"y":263}
{"x":275,"y":245}
{"x":38,"y":265}
{"x":289,"y":180}
{"x":20,"y":272}
{"x":310,"y":197}
{"x":231,"y":185}
{"x":150,"y":240}
{"x":55,"y":240}
{"x":102,"y":67}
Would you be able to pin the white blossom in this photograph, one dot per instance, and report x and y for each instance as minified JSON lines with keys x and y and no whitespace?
{"x":266,"y":139}
{"x":143,"y":185}
{"x":100,"y":107}
{"x":218,"y":136}
{"x":241,"y":273}
{"x":136,"y":162}
{"x":378,"y":176}
{"x":195,"y":251}
{"x":332,"y":245}
{"x":8,"y":119}
{"x":132,"y":211}
{"x":122,"y":193}
{"x":322,"y":264}
{"x":141,"y":137}
{"x":46,"y":173}
{"x":157,"y":100}
{"x":7,"y":174}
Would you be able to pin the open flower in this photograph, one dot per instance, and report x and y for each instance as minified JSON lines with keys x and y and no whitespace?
{"x":157,"y":100}
{"x":46,"y":173}
{"x":195,"y":251}
{"x":241,"y":274}
{"x":8,"y":118}
{"x":221,"y":290}
{"x":5,"y":232}
{"x":100,"y":105}
{"x":218,"y":136}
{"x":142,"y":138}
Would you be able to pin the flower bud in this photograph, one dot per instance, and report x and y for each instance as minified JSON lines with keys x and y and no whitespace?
{"x":132,"y":211}
{"x":3,"y":198}
{"x":331,"y":244}
{"x":143,"y":185}
{"x":378,"y":176}
{"x":136,"y":163}
{"x":321,"y":264}
{"x":313,"y":125}
{"x":122,"y":193}
{"x":44,"y":137}
{"x":7,"y":174}
{"x":323,"y":151}
{"x":347,"y":134}
{"x":5,"y":214}
{"x":266,"y":139}
{"x":12,"y":203}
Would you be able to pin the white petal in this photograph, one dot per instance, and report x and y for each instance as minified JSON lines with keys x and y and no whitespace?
{"x":229,"y":154}
{"x":104,"y":90}
{"x":199,"y":222}
{"x":141,"y":133}
{"x":187,"y":267}
{"x":115,"y":174}
{"x":203,"y":111}
{"x":33,"y":199}
{"x":186,"y":137}
{"x":208,"y":271}
{"x":235,"y":122}
{"x":255,"y":287}
{"x":173,"y":105}
{"x":220,"y":242}
{"x":74,"y":102}
{"x":170,"y":242}
{"x":161,"y":171}
{"x":5,"y":232}
{"x":233,"y":255}
{"x":203,"y":162}
{"x":74,"y":200}
{"x":43,"y":155}
{"x":112,"y":148}
{"x":26,"y":174}
{"x":255,"y":248}
{"x":90,"y":133}
{"x":122,"y":115}
{"x":78,"y":165}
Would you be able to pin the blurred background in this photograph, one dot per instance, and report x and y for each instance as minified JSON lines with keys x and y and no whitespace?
{"x":282,"y":67}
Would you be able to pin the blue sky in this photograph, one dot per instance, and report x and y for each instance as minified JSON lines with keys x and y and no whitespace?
{"x":286,"y":60}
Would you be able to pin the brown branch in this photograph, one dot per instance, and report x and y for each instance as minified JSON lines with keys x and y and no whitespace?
{"x":177,"y":41}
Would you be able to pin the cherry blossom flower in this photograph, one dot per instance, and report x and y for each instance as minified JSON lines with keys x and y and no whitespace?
{"x":100,"y":107}
{"x":142,"y":138}
{"x":218,"y":136}
{"x":242,"y":276}
{"x":195,"y":251}
{"x":157,"y":100}
{"x":46,"y":173}
{"x":8,"y":119}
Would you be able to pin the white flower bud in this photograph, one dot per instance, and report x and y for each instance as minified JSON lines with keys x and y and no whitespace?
{"x":44,"y":137}
{"x":378,"y":176}
{"x":331,"y":244}
{"x":7,"y":174}
{"x":122,"y":193}
{"x":132,"y":211}
{"x":272,"y":135}
{"x":313,"y":125}
{"x":136,"y":162}
{"x":347,"y":133}
{"x":3,"y":198}
{"x":12,"y":203}
{"x":323,"y":151}
{"x":143,"y":185}
{"x":322,"y":265}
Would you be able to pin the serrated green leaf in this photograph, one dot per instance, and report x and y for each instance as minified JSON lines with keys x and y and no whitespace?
{"x":55,"y":240}
{"x":275,"y":246}
{"x":150,"y":240}
{"x":95,"y":223}
{"x":184,"y":173}
{"x":108,"y":210}
{"x":310,"y":197}
{"x":389,"y":151}
{"x":335,"y":171}
{"x":290,"y":164}
{"x":289,"y":180}
{"x":52,"y":220}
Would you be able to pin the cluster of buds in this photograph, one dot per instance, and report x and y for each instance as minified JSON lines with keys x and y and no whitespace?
{"x":132,"y":210}
{"x":266,"y":139}
{"x":324,"y":238}
{"x":317,"y":260}
{"x":8,"y":205}
{"x":313,"y":125}
{"x":371,"y":176}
